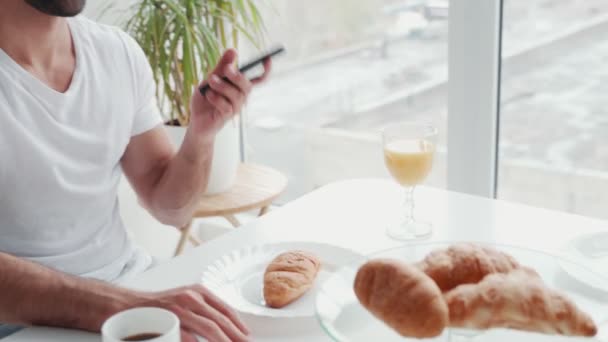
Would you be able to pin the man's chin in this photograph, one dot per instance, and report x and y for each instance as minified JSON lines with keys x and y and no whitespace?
{"x":58,"y":8}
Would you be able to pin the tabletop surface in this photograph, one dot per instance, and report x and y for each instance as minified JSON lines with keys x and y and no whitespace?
{"x":255,"y":186}
{"x":354,"y":214}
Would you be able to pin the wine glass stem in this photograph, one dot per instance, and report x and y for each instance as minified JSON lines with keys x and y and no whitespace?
{"x":409,"y":205}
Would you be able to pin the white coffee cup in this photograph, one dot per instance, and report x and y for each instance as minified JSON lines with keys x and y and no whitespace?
{"x":139,"y":321}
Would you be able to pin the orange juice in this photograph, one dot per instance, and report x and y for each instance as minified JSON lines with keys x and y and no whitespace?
{"x":409,"y":160}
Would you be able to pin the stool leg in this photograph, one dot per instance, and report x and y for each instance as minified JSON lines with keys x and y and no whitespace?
{"x":263,"y":211}
{"x":194,"y":240}
{"x":183,"y":238}
{"x":233,"y":220}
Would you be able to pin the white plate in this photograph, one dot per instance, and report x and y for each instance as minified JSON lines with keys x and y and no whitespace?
{"x":237,"y":277}
{"x":590,"y":250}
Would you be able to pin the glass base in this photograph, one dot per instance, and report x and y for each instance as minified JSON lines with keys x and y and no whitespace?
{"x":407,"y":231}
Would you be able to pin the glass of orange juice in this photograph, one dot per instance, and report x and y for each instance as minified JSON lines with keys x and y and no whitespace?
{"x":408,"y":153}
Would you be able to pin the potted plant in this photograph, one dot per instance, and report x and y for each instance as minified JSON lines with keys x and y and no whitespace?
{"x":183,"y":40}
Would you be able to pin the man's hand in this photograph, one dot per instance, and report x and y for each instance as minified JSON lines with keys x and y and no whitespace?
{"x":224,"y":99}
{"x":170,"y":184}
{"x":200,"y":313}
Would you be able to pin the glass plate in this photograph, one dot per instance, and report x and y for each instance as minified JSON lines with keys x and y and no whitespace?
{"x":344,"y":319}
{"x":590,"y":250}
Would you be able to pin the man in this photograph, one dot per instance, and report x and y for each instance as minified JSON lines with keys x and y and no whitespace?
{"x":77,"y":109}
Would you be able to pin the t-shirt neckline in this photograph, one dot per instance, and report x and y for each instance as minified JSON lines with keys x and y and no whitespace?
{"x":38,"y":85}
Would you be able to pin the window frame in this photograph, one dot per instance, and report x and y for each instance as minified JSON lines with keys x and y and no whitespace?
{"x":474,"y":59}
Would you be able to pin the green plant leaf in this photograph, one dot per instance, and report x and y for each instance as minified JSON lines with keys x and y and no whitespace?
{"x":184,"y":39}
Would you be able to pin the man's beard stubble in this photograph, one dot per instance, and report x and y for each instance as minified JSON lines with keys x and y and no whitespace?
{"x":58,"y":8}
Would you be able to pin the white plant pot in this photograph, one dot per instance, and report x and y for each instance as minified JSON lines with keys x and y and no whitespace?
{"x":226,"y":157}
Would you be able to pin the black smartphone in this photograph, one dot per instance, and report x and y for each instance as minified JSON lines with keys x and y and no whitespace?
{"x":250,"y":65}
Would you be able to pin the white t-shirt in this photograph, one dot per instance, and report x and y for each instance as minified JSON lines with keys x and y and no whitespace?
{"x":60,"y":154}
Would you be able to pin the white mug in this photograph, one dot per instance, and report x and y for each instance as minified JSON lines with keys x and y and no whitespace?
{"x":139,"y":321}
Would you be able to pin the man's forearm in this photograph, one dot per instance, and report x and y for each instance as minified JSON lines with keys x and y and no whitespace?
{"x":31,"y":294}
{"x":182,"y":181}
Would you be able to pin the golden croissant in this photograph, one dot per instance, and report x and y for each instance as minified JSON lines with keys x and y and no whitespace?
{"x":402,"y":296}
{"x":465,"y":263}
{"x":517,"y":300}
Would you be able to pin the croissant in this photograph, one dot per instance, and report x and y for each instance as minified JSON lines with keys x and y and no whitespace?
{"x":517,"y":300}
{"x":402,"y":296}
{"x":465,"y":263}
{"x":288,"y":277}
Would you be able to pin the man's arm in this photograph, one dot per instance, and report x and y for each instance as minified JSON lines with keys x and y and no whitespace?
{"x":31,"y":294}
{"x":169,"y":183}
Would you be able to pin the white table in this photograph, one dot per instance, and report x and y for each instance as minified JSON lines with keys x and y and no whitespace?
{"x":354,"y":214}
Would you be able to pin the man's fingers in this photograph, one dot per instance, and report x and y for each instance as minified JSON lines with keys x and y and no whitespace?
{"x":238,"y":79}
{"x":228,"y":58}
{"x":187,"y":320}
{"x":227,"y":90}
{"x":229,"y":328}
{"x":187,"y":336}
{"x":195,"y":300}
{"x":222,"y":307}
{"x":264,"y":76}
{"x":219,"y":102}
{"x":204,"y":327}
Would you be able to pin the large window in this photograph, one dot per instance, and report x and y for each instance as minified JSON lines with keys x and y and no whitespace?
{"x":353,"y":66}
{"x":553,"y":116}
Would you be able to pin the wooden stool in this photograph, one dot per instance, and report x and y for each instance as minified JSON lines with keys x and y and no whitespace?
{"x":255,"y":187}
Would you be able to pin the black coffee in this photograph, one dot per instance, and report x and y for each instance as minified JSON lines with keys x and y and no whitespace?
{"x":141,"y":337}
